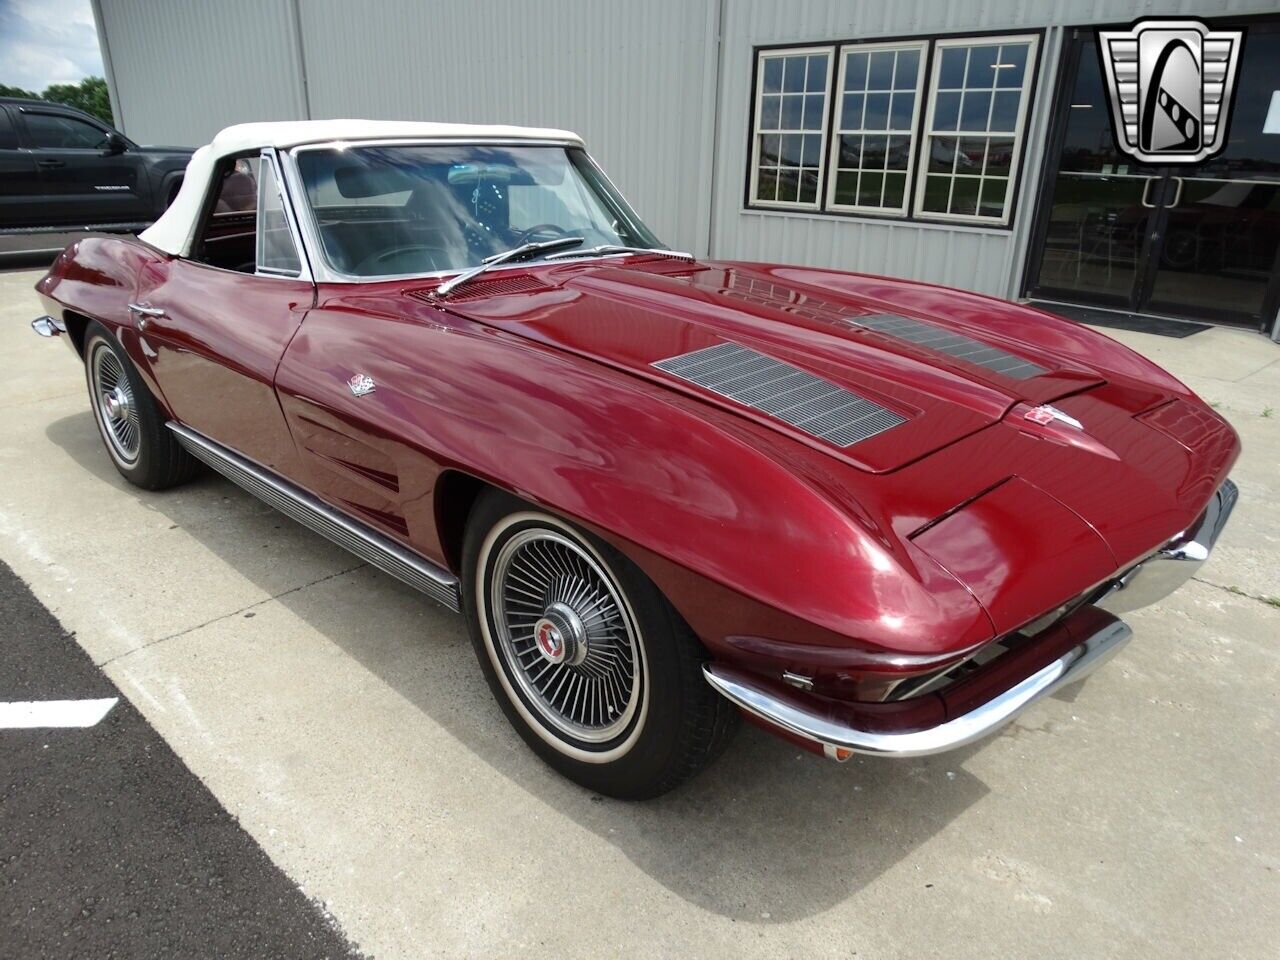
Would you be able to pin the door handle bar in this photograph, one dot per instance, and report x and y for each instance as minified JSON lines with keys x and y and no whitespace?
{"x":1146,"y":188}
{"x":1177,"y":196}
{"x":145,"y":314}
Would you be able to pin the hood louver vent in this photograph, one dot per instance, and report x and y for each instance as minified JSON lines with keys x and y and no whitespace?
{"x":952,"y":344}
{"x":808,"y":403}
{"x":493,"y":286}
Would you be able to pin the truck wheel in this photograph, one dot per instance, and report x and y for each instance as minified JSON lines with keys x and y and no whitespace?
{"x":590,"y":663}
{"x":131,"y":424}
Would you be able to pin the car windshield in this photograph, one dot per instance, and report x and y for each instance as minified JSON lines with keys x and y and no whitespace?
{"x":393,"y":210}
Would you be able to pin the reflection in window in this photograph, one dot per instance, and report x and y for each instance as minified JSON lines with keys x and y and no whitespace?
{"x":974,"y":131}
{"x":791,"y":117}
{"x":875,"y":125}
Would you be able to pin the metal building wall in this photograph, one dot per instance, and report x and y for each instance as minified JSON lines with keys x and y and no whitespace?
{"x":988,"y":260}
{"x":636,"y":80}
{"x":180,"y":71}
{"x":662,"y":106}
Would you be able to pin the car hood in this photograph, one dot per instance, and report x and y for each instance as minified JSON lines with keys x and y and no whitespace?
{"x":938,"y":378}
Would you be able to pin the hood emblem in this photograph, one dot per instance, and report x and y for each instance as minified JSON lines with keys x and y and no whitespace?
{"x":362,"y":384}
{"x":1045,"y":414}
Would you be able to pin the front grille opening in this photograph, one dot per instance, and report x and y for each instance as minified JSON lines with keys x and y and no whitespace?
{"x":986,"y":655}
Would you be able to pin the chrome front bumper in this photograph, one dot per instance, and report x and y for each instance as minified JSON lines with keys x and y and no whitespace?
{"x":838,"y":732}
{"x":1172,"y":565}
{"x":840,"y":740}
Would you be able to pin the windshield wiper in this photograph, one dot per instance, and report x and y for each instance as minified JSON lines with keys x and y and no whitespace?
{"x":514,"y":255}
{"x":606,"y":248}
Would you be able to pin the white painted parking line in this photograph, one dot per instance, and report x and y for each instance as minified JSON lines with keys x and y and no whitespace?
{"x":54,"y":713}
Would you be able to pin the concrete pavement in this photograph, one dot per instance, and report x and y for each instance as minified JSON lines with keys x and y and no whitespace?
{"x":343,"y":720}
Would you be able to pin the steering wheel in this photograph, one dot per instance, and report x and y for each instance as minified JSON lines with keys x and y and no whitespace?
{"x":542,"y":228}
{"x":377,"y":263}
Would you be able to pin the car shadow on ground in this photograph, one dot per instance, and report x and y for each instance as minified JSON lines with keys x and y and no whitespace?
{"x":766,"y":834}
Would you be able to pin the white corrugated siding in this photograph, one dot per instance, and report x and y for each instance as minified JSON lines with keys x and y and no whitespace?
{"x":641,"y":81}
{"x":634,"y":79}
{"x":183,"y":71}
{"x":629,"y":77}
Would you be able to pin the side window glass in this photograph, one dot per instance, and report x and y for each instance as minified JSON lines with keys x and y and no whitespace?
{"x":8,"y":138}
{"x":51,"y":131}
{"x":276,"y":251}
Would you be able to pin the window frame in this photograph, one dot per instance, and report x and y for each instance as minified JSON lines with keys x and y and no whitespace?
{"x":837,"y":48}
{"x":267,"y":158}
{"x":837,"y":111}
{"x":1019,"y":127}
{"x":757,"y":106}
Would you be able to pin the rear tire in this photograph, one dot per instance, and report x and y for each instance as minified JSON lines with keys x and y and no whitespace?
{"x":590,"y":663}
{"x":131,"y":424}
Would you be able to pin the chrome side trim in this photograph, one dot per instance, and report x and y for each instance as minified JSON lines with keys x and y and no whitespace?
{"x":1173,"y":564}
{"x":809,"y":719}
{"x":48,"y":326}
{"x":365,"y":542}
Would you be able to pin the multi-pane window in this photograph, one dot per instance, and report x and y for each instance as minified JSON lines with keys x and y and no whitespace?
{"x":790,"y":124}
{"x":974,"y":128}
{"x":928,"y":129}
{"x":874,"y":136}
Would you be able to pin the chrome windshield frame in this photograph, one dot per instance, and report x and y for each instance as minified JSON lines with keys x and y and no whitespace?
{"x":324,"y":272}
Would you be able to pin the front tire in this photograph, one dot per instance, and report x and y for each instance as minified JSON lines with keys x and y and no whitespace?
{"x":130,"y":422}
{"x":587,"y":659}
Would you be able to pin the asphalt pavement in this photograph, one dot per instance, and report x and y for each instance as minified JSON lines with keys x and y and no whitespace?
{"x":110,"y":846}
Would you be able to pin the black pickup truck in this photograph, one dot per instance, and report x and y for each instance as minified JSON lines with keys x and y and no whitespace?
{"x":61,"y":169}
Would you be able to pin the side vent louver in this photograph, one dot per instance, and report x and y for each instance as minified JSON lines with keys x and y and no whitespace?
{"x":806,"y":402}
{"x":952,"y":344}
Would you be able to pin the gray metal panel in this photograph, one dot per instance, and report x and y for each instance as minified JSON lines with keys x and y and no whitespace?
{"x":628,"y":77}
{"x":794,"y":396}
{"x":183,"y":71}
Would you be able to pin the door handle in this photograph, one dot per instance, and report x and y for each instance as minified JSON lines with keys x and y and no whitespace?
{"x":145,"y":314}
{"x":1146,"y":188}
{"x":51,"y":164}
{"x":1177,"y":196}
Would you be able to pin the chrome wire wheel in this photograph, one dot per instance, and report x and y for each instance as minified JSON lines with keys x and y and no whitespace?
{"x":115,"y":403}
{"x":566,"y":637}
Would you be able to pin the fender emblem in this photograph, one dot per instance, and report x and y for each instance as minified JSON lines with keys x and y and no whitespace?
{"x":362,"y":384}
{"x":1046,"y":414}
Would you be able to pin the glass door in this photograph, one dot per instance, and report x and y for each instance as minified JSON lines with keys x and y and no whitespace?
{"x":1198,"y":241}
{"x":1221,"y":225}
{"x":1101,"y":208}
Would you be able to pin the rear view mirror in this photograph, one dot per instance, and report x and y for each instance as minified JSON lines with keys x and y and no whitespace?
{"x":113,"y":144}
{"x":356,"y":183}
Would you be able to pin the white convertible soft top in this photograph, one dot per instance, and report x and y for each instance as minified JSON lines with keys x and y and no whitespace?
{"x":174,"y":230}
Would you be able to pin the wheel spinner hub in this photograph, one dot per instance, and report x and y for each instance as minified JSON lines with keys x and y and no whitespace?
{"x":116,"y":402}
{"x":561,"y":635}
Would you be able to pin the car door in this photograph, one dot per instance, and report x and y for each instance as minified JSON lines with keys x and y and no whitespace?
{"x":20,"y":187}
{"x":213,"y":326}
{"x":84,"y":181}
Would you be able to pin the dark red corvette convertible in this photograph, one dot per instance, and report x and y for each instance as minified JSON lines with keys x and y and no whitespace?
{"x":873,"y":516}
